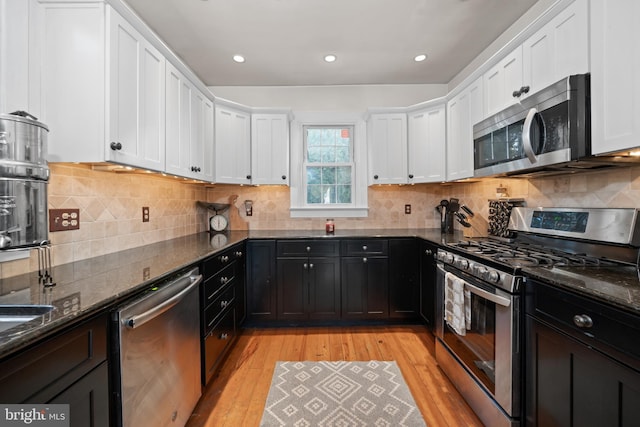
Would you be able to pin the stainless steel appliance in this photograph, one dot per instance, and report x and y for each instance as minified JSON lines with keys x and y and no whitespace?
{"x":547,"y":131}
{"x":23,"y":181}
{"x":156,"y":377}
{"x":484,"y":361}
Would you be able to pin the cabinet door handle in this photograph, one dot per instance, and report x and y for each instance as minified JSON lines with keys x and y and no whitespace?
{"x":115,"y":146}
{"x":582,"y":321}
{"x":310,"y":266}
{"x":308,"y":248}
{"x":364,"y":260}
{"x":239,"y":254}
{"x":428,"y":252}
{"x":304,"y":266}
{"x":224,"y":258}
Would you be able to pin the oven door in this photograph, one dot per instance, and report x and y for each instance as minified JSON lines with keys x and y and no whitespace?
{"x":488,"y":347}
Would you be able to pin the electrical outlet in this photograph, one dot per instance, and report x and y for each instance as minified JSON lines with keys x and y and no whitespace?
{"x":64,"y":219}
{"x":407,"y":209}
{"x":145,"y":214}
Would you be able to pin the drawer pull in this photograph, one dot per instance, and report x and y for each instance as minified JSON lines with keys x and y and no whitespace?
{"x":223,"y":304}
{"x":310,"y":265}
{"x":304,"y":265}
{"x":582,"y":321}
{"x":238,"y":254}
{"x":224,"y":280}
{"x":364,"y":247}
{"x":224,"y":336}
{"x":224,"y":258}
{"x":308,"y":248}
{"x":364,"y":260}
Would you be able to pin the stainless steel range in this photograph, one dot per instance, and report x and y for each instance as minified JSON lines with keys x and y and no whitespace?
{"x":479,"y":318}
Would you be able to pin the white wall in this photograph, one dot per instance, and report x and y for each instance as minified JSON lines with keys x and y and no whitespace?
{"x":331,"y":98}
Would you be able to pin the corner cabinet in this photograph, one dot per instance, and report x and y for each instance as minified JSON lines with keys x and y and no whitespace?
{"x":189,"y":128}
{"x":387,"y":148}
{"x":232,"y":143}
{"x":615,"y":75}
{"x":426,"y":142}
{"x":270,"y":148}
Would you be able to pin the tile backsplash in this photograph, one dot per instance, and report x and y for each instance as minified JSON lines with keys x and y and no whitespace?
{"x":111,"y":206}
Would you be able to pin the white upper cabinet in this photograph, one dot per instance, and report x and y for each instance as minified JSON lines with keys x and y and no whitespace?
{"x":502,"y":81}
{"x":136,"y":97}
{"x":387,"y":148}
{"x":427,"y":144}
{"x":615,"y":75}
{"x":463,"y":111}
{"x":189,"y":128}
{"x":232,"y":143}
{"x":270,"y":148}
{"x":557,"y":50}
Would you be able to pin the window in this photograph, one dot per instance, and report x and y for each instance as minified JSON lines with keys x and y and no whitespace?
{"x":328,"y":164}
{"x":328,"y":160}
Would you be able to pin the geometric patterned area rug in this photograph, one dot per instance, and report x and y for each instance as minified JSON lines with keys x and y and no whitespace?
{"x":345,"y":394}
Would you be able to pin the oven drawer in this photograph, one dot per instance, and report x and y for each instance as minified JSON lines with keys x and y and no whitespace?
{"x":365,"y":247}
{"x":599,"y":325}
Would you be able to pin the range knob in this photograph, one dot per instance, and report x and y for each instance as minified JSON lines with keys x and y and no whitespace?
{"x":464,"y":264}
{"x":494,"y":276}
{"x":448,"y":258}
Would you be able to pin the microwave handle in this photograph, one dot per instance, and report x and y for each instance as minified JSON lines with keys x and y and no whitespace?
{"x":505,"y":302}
{"x":526,"y":136}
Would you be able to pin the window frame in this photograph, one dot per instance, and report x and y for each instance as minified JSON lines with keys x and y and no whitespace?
{"x":299,"y":207}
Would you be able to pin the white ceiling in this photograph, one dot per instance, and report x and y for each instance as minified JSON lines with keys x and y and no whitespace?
{"x":284,"y":41}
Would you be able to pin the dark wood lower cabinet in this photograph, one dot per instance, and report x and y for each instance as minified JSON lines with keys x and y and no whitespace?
{"x":365,"y":288}
{"x":404,"y":278}
{"x":428,"y":282}
{"x":261,"y":280}
{"x":569,"y":383}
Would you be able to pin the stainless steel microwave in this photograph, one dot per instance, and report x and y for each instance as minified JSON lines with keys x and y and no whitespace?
{"x":547,"y":131}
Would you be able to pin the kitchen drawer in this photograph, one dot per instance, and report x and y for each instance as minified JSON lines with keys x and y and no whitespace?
{"x":611,"y":329}
{"x":365,"y":247}
{"x":224,"y":300}
{"x":297,"y":248}
{"x":40,"y":373}
{"x":217,"y":262}
{"x":217,"y":282}
{"x":215,"y":344}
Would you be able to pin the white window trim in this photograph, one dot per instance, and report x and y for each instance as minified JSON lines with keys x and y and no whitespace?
{"x":299,"y":207}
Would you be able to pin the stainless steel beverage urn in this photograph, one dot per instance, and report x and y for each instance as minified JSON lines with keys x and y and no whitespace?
{"x":24,"y":175}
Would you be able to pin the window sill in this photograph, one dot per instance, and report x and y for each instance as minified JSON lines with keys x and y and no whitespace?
{"x":329,"y":212}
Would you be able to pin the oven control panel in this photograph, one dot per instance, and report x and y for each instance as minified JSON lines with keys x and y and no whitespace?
{"x":479,"y":270}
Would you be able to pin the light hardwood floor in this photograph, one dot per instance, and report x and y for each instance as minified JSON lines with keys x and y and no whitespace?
{"x":236,"y":397}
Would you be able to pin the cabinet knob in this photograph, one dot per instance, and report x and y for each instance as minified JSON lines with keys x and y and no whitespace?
{"x":248,"y":176}
{"x":516,"y":94}
{"x":304,"y":265}
{"x":364,"y":247}
{"x":224,"y":336}
{"x":224,"y":280}
{"x":224,"y":258}
{"x":311,"y":265}
{"x":375,"y":176}
{"x":284,"y":176}
{"x":238,"y":254}
{"x":115,"y":146}
{"x":410,"y":176}
{"x":428,"y":252}
{"x":308,"y":248}
{"x":524,"y":89}
{"x":582,"y":321}
{"x":364,"y":260}
{"x":223,"y":304}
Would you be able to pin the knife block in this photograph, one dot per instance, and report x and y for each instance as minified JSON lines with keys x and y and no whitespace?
{"x":479,"y":227}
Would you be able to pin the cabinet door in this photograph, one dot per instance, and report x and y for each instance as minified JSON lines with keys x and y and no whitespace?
{"x":88,"y":399}
{"x":427,"y":145}
{"x":569,"y":383}
{"x":201,"y":147}
{"x":387,"y":137}
{"x":501,"y":81}
{"x":557,"y":50}
{"x":459,"y":139}
{"x":179,"y":94}
{"x":365,"y":288}
{"x":270,"y":149}
{"x":615,"y":75}
{"x":232,"y":146}
{"x":261,"y":283}
{"x":136,"y":98}
{"x":427,"y":283}
{"x":324,"y":288}
{"x":404,"y":278}
{"x":293,"y":290}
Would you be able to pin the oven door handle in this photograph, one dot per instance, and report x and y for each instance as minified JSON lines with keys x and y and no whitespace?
{"x":505,"y":302}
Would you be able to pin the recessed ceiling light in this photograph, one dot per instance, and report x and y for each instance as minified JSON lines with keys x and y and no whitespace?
{"x":420,"y":58}
{"x":238,"y":58}
{"x":330,"y":58}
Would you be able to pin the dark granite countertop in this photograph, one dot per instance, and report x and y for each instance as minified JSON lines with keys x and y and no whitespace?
{"x":618,"y":286}
{"x":86,"y":287}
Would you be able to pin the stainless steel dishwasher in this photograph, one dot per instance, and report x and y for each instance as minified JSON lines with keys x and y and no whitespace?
{"x":156,"y":354}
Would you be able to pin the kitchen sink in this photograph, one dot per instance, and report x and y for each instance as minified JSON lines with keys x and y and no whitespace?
{"x":15,"y":315}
